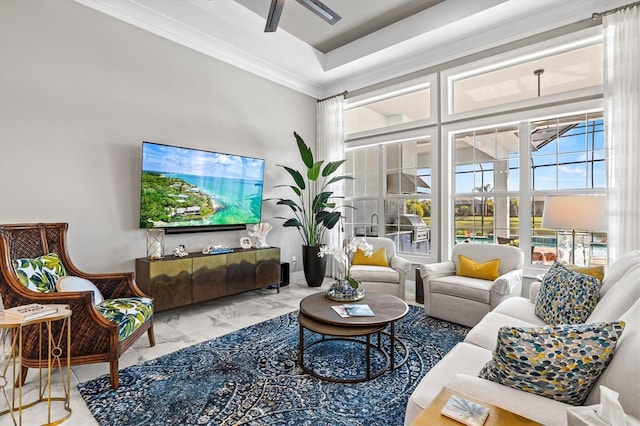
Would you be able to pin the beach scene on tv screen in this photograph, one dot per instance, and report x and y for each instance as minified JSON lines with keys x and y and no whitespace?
{"x":185,"y":187}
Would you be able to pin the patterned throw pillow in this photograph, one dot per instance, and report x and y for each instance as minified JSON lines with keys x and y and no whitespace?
{"x":561,"y":362}
{"x":39,"y":274}
{"x":489,"y":270}
{"x":566,"y":296}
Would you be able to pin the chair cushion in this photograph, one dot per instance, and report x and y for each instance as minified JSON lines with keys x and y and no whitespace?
{"x":463,"y":287}
{"x":378,"y":258}
{"x":71,"y":283}
{"x":566,"y":296}
{"x":489,"y":270}
{"x":370,"y":273}
{"x":39,"y":274}
{"x":128,"y":312}
{"x":561,"y":362}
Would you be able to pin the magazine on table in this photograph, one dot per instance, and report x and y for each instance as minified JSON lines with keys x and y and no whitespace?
{"x":465,"y":411}
{"x":353,"y":310}
{"x":31,"y":311}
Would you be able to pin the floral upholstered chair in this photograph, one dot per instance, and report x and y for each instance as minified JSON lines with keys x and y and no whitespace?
{"x":110,"y":312}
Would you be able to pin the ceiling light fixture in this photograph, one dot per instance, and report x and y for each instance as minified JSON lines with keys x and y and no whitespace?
{"x":539,"y":73}
{"x":275,"y":10}
{"x":316,"y":6}
{"x":321,"y":10}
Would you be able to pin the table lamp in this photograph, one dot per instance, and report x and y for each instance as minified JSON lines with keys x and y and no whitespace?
{"x":575,"y":212}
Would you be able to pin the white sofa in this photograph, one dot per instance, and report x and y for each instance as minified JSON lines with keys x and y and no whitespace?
{"x":459,"y":369}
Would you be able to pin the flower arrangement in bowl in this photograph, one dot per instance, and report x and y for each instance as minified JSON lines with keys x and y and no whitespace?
{"x":346,"y":288}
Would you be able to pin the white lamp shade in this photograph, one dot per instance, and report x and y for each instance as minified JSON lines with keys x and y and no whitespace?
{"x":575,"y":212}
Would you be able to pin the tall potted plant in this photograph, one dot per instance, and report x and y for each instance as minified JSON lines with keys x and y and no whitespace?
{"x":313,"y":209}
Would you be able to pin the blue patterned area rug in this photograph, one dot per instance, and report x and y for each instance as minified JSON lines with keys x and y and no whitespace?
{"x":252,"y":377}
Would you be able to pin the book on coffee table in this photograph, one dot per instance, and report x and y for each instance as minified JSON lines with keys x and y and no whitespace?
{"x":340,"y":310}
{"x":358,"y":310}
{"x":465,"y":411}
{"x":353,"y":310}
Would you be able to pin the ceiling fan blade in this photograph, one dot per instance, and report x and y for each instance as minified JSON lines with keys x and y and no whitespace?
{"x":320,"y":9}
{"x":274,"y":15}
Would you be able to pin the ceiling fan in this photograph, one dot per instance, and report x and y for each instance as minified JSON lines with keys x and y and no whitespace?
{"x":316,"y":6}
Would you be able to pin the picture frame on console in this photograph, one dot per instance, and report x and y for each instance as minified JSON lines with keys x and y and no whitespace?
{"x":245,"y":242}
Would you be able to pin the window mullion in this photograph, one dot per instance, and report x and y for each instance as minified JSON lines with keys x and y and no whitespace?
{"x":524,"y":213}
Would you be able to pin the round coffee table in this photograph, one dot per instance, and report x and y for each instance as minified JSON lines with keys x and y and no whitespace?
{"x":317,"y":315}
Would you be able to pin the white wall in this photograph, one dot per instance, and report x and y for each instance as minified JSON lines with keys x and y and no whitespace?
{"x":80,"y":91}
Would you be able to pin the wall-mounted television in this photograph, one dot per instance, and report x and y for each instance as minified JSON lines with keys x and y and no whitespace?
{"x":191,"y":190}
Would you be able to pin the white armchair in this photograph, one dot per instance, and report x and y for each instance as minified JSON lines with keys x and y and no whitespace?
{"x":382,"y":279}
{"x":465,"y":300}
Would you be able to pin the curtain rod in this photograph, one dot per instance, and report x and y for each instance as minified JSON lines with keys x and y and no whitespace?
{"x":597,"y":15}
{"x":345,"y":93}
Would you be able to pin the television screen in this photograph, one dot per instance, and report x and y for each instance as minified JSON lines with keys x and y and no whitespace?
{"x":186,"y":189}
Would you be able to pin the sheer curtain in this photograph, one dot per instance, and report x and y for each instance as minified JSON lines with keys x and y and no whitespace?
{"x":330,"y":140}
{"x":622,"y":128}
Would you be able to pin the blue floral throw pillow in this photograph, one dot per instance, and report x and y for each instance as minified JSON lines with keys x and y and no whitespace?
{"x":561,"y":362}
{"x":566,"y":296}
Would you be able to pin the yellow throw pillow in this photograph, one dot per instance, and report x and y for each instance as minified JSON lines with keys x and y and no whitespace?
{"x":594,"y":271}
{"x":489,"y":270}
{"x":378,"y":258}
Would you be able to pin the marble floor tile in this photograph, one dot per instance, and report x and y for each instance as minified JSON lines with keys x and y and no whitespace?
{"x":176,"y":329}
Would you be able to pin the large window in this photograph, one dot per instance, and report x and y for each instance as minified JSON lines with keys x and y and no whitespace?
{"x":565,"y":157}
{"x":397,"y":203}
{"x":573,"y":70}
{"x":506,"y":134}
{"x":400,"y":107}
{"x":407,"y":206}
{"x":567,"y":153}
{"x":550,"y":72}
{"x":486,"y":182}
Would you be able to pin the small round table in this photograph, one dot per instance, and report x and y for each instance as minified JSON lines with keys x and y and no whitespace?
{"x":56,"y":344}
{"x":317,"y":315}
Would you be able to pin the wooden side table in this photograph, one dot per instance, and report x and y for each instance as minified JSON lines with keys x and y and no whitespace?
{"x":497,"y":416}
{"x":56,"y":356}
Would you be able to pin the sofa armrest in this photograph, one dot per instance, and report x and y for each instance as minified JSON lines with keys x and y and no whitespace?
{"x":535,"y":407}
{"x":506,"y":283}
{"x":533,"y":291}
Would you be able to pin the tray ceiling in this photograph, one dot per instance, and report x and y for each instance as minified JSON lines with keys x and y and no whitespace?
{"x":374,"y":41}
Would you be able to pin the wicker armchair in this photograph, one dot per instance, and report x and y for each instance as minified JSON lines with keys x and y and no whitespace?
{"x":94,"y":337}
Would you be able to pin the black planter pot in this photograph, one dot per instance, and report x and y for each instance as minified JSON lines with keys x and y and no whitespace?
{"x":314,"y":266}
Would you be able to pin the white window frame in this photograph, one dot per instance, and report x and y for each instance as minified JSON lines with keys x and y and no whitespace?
{"x":400,"y":89}
{"x":447,"y":225}
{"x":399,"y":137}
{"x":544,"y":49}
